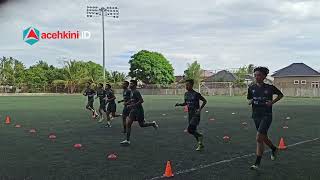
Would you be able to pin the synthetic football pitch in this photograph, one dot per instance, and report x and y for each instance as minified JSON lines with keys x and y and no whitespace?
{"x":33,"y":156}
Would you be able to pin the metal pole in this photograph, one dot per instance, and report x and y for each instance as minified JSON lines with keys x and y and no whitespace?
{"x":103,"y":48}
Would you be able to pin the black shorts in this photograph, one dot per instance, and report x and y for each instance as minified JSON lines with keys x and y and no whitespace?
{"x":125,"y":112}
{"x":102,"y":106}
{"x":112,"y":107}
{"x":137,"y":115}
{"x":194,"y":120}
{"x":89,"y":104}
{"x":262,"y":122}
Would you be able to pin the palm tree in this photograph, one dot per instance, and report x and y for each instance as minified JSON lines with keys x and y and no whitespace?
{"x":74,"y":75}
{"x":117,"y":77}
{"x":250,"y":69}
{"x":193,"y":72}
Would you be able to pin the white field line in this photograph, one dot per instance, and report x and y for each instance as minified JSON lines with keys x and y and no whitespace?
{"x":226,"y":161}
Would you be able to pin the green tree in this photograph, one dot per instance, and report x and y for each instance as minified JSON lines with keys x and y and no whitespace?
{"x":19,"y":73}
{"x":95,"y":73}
{"x":7,"y":71}
{"x":35,"y":78}
{"x":193,"y":72}
{"x":250,"y":68}
{"x":75,"y":73}
{"x":117,"y":77}
{"x":151,"y":68}
{"x":241,"y":74}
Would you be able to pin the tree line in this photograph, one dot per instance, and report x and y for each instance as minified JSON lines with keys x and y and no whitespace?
{"x":42,"y":77}
{"x":146,"y":66}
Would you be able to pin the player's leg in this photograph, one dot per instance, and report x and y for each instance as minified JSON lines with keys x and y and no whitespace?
{"x":109,"y":109}
{"x":260,"y":148}
{"x":128,"y":125}
{"x":125,"y":114}
{"x":194,"y":120}
{"x":91,"y":108}
{"x":102,"y":110}
{"x":129,"y":122}
{"x":192,"y":129}
{"x":114,"y":110}
{"x":265,"y":124}
{"x":142,"y":122}
{"x":262,"y":125}
{"x":88,"y":106}
{"x":94,"y":111}
{"x":108,"y":119}
{"x":124,"y":121}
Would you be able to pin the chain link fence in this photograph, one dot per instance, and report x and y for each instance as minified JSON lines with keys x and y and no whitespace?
{"x":227,"y":89}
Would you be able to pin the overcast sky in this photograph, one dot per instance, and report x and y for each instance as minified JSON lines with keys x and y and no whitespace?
{"x":220,"y":34}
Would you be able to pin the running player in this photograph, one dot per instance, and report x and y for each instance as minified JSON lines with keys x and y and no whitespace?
{"x":112,"y":106}
{"x":90,"y":93}
{"x":136,"y":112}
{"x":101,"y":94}
{"x":125,"y":100}
{"x":192,"y":100}
{"x":260,"y":96}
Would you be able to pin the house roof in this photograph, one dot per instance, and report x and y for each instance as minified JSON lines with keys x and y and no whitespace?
{"x":206,"y":73}
{"x":248,"y":77}
{"x":221,"y":76}
{"x":179,"y":78}
{"x":296,"y":69}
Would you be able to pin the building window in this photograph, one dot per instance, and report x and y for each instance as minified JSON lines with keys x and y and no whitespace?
{"x":315,"y":84}
{"x":296,"y":82}
{"x":303,"y":82}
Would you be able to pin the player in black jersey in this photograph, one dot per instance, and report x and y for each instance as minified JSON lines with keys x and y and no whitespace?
{"x":126,"y":98}
{"x":192,"y":100}
{"x":260,"y":96}
{"x":90,"y":93}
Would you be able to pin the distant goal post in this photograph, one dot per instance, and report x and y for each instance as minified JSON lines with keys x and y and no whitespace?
{"x":217,"y":88}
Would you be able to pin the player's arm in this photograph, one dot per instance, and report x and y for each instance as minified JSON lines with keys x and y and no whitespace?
{"x":121,"y":101}
{"x":93,"y":93}
{"x":249,"y":96}
{"x":181,"y":104}
{"x":204,"y":102}
{"x":113,"y":97}
{"x":278,"y":93}
{"x":139,"y":102}
{"x":84,"y":93}
{"x":128,"y":102}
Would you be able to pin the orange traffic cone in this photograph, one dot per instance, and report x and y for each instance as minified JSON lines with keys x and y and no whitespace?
{"x":282,"y":145}
{"x":185,"y":109}
{"x":168,"y":172}
{"x":8,"y":120}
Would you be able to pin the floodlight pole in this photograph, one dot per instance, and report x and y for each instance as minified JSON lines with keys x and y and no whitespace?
{"x":103,"y":48}
{"x":92,"y":11}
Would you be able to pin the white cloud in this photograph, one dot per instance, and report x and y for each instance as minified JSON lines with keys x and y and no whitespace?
{"x":219,"y":34}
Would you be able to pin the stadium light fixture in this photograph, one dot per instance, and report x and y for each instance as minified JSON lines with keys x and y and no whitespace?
{"x":109,"y":11}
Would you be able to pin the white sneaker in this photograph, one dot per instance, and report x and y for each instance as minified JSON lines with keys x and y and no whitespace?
{"x":254,"y":167}
{"x":108,"y":125}
{"x":96,"y":114}
{"x":274,"y":154}
{"x":125,"y":142}
{"x":101,"y":120}
{"x":156,"y":126}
